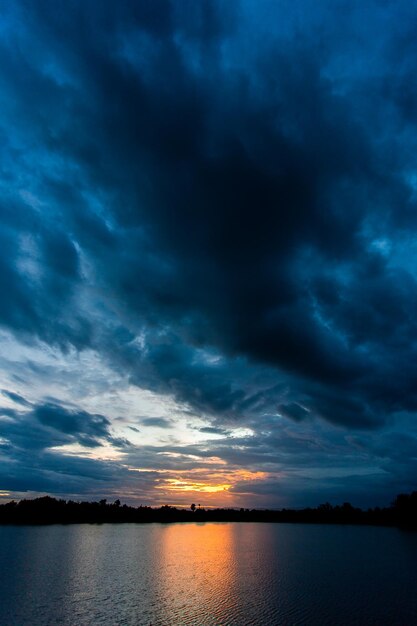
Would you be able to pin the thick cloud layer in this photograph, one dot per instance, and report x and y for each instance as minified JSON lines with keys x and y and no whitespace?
{"x":50,"y":425}
{"x":220,"y":200}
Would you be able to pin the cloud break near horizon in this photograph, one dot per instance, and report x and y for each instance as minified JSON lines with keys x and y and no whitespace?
{"x":208,"y":251}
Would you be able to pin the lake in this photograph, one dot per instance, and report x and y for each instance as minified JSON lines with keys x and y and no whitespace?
{"x":207,"y":574}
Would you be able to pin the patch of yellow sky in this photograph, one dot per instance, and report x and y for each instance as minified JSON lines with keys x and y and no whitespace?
{"x":215,"y":485}
{"x":201,"y":483}
{"x":211,"y":481}
{"x":99,"y":390}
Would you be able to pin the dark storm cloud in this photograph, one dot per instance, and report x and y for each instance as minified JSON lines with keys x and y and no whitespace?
{"x":69,"y":476}
{"x":54,"y":473}
{"x":39,"y":271}
{"x":15,"y":397}
{"x":218,"y":198}
{"x":213,"y":430}
{"x":29,"y":460}
{"x":51,"y":425}
{"x":157,"y":422}
{"x":293,"y":411}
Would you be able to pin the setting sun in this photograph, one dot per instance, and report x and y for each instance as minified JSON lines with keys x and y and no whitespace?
{"x":181,"y":485}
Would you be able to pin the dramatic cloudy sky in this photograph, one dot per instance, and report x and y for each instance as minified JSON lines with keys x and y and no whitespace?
{"x":208,"y":250}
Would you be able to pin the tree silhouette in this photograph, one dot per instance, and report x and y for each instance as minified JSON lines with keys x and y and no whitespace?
{"x":48,"y":510}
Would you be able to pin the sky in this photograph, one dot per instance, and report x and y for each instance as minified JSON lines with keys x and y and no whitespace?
{"x":208,"y":252}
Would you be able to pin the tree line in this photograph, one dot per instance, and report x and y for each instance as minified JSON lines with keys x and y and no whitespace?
{"x":47,"y":510}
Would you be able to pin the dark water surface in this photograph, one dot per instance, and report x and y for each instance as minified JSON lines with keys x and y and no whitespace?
{"x":207,"y":574}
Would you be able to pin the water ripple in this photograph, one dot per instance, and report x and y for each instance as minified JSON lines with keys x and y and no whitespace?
{"x":207,"y":575}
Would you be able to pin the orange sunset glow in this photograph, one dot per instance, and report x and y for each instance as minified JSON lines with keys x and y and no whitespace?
{"x":215,"y":486}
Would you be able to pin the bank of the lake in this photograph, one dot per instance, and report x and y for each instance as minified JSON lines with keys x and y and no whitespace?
{"x":47,"y":510}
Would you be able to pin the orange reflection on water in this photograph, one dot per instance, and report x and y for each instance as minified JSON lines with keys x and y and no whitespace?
{"x":197,"y":572}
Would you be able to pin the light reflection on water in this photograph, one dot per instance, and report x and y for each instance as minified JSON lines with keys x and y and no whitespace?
{"x":207,"y":574}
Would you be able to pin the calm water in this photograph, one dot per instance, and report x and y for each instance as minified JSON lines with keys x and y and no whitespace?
{"x":207,"y":574}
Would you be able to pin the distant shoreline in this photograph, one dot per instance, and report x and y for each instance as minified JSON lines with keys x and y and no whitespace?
{"x":47,"y":510}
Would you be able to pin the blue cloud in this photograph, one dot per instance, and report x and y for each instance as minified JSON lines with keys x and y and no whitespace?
{"x":219,"y":201}
{"x":51,"y":425}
